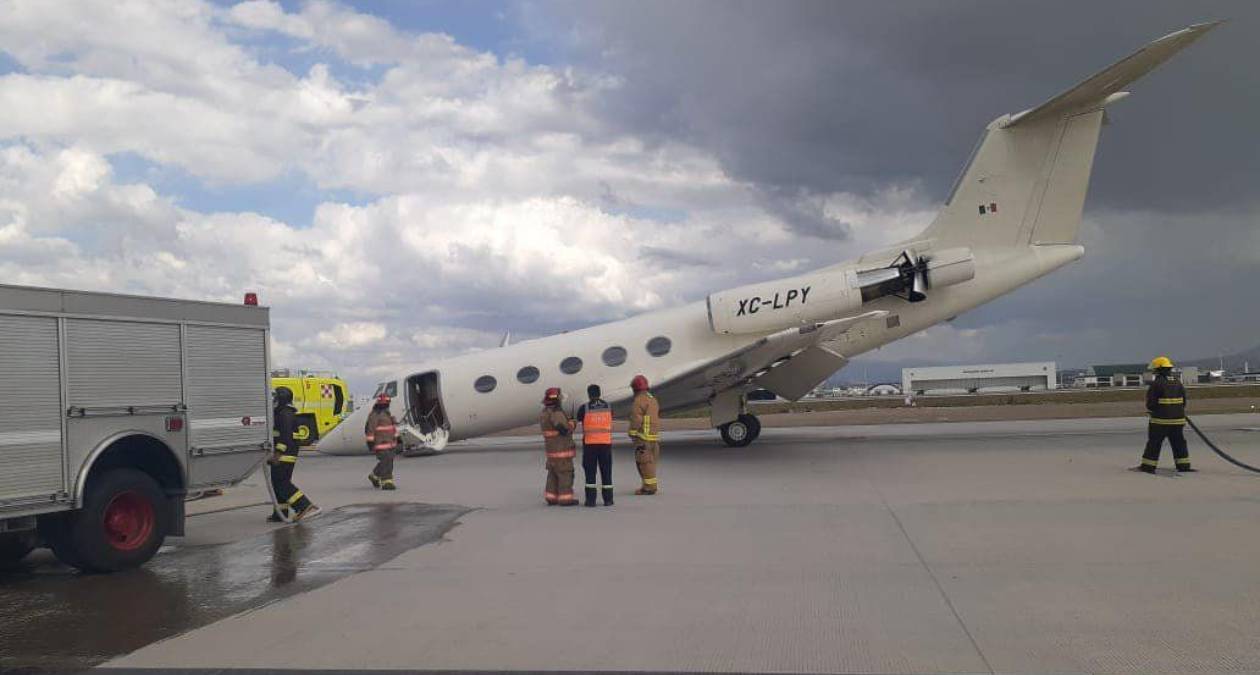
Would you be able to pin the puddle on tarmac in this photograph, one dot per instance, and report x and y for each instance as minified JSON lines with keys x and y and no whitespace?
{"x":54,"y":617}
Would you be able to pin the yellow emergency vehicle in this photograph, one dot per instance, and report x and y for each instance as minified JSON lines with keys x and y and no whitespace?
{"x":322,"y":401}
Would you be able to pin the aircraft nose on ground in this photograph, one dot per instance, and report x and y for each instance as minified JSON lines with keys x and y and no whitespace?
{"x":343,"y":440}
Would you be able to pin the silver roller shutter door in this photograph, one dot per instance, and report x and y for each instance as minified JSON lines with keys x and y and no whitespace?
{"x":30,"y":408}
{"x":227,"y":381}
{"x":122,"y":363}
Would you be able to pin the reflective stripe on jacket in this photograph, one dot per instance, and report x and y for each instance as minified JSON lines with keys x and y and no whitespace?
{"x":381,"y":431}
{"x":645,"y":415}
{"x":597,"y":423}
{"x":1166,"y":402}
{"x":557,"y":431}
{"x":284,"y":423}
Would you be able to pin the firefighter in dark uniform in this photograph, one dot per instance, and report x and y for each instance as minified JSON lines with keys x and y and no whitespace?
{"x":596,"y":418}
{"x":380,"y":431}
{"x":1166,"y":403}
{"x":284,"y":457}
{"x":557,"y":431}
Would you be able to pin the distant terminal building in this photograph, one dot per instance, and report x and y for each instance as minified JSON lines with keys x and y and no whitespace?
{"x":973,"y":379}
{"x":1114,"y":375}
{"x":1132,"y":375}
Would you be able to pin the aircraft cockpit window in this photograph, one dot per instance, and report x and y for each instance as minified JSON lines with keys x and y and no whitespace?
{"x":659,"y":346}
{"x":527,"y":375}
{"x":571,"y":365}
{"x":388,"y":388}
{"x":614,"y":356}
{"x":485,"y":384}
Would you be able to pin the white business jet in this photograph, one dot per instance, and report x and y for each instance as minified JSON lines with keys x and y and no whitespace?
{"x":1012,"y":217}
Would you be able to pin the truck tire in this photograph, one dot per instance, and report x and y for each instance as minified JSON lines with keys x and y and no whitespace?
{"x":306,"y":431}
{"x":14,"y":546}
{"x":123,"y":522}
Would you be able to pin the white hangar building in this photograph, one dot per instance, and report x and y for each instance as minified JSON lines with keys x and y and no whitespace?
{"x":972,"y":379}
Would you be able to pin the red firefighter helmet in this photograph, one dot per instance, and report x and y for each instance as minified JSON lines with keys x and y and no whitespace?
{"x":383,"y":400}
{"x":639,"y":383}
{"x":552,"y":397}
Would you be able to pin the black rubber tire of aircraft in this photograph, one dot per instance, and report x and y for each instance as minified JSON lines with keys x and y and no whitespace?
{"x":736,"y":434}
{"x":307,"y":423}
{"x":122,"y":524}
{"x":14,"y":546}
{"x":754,"y":426}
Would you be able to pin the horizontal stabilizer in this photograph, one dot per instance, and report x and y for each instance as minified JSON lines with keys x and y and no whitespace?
{"x":1094,"y":92}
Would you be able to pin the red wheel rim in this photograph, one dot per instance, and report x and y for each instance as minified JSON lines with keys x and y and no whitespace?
{"x":129,"y":521}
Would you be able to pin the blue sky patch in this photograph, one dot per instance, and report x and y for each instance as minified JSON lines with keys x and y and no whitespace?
{"x":291,"y":198}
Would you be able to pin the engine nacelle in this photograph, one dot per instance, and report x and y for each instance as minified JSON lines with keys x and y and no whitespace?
{"x":775,"y":305}
{"x":951,"y":266}
{"x":833,"y":294}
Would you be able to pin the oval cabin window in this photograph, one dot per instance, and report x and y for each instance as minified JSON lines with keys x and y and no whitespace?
{"x":571,"y":365}
{"x":527,"y":375}
{"x":614,"y":356}
{"x":659,"y":346}
{"x":485,"y":384}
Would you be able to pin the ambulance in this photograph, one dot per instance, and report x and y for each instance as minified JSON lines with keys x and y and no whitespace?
{"x":321,"y":398}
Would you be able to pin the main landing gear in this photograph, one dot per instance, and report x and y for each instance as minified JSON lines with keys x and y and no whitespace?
{"x":742,"y":431}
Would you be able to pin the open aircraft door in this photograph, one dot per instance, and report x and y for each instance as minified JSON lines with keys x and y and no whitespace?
{"x":425,"y":427}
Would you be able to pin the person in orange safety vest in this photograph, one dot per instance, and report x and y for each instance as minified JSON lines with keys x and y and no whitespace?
{"x":381,"y":433}
{"x":596,"y":418}
{"x":557,"y":431}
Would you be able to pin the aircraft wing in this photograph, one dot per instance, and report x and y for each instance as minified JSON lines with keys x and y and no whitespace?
{"x":789,"y":363}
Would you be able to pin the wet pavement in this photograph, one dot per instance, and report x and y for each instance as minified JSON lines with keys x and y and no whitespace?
{"x":54,"y":617}
{"x":978,"y":547}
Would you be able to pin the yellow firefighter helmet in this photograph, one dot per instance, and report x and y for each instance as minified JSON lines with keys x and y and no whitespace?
{"x":1161,"y":362}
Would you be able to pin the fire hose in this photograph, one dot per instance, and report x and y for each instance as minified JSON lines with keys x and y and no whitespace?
{"x":1224,"y":455}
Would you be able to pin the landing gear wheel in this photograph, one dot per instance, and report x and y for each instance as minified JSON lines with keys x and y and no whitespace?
{"x":754,"y":426}
{"x":122,"y":524}
{"x":14,"y":546}
{"x":736,"y":434}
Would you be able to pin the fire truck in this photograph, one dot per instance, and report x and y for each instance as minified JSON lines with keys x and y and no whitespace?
{"x":114,"y":408}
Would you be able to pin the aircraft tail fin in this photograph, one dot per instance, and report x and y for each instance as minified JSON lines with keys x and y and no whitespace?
{"x":1027,"y":179}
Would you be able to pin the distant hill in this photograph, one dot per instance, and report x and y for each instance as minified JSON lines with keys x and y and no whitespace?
{"x":1233,"y":362}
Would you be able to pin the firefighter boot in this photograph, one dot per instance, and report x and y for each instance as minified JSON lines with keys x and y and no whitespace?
{"x":388,"y":484}
{"x":590,"y":495}
{"x":307,"y":513}
{"x":374,"y":480}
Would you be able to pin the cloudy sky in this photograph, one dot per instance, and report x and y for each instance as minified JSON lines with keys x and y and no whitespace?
{"x":404,"y":180}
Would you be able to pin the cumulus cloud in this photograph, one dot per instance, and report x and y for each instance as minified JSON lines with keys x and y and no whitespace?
{"x":501,"y":197}
{"x":460,"y":192}
{"x":350,"y":335}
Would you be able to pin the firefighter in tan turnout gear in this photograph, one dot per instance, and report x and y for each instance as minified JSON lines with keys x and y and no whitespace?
{"x":557,"y":431}
{"x":1166,"y":403}
{"x":381,"y":434}
{"x":645,"y":416}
